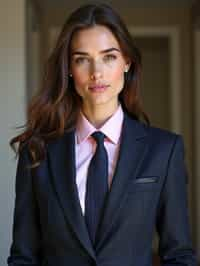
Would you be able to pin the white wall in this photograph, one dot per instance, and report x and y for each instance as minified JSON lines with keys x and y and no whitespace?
{"x":12,"y":108}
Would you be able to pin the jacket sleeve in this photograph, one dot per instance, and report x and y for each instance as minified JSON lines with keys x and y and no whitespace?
{"x":26,"y":237}
{"x":175,"y":245}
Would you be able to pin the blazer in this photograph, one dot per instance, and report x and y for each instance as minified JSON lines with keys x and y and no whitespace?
{"x":148,"y":192}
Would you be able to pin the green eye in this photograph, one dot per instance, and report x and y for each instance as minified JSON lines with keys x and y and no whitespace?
{"x":81,"y":60}
{"x":110,"y":57}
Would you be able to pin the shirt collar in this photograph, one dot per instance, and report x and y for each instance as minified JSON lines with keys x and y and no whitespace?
{"x":111,"y":128}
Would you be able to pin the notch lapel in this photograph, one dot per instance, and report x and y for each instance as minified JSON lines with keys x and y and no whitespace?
{"x":132,"y":149}
{"x":62,"y":162}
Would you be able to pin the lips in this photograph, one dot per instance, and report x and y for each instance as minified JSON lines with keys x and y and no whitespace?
{"x":98,"y":87}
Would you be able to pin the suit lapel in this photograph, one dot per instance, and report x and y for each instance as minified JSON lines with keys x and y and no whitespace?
{"x":62,"y":162}
{"x":131,"y":153}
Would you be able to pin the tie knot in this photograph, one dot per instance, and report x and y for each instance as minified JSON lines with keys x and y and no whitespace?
{"x":99,"y":137}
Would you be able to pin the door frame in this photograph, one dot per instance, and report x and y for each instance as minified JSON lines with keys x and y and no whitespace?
{"x":197,"y":134}
{"x":173,"y":35}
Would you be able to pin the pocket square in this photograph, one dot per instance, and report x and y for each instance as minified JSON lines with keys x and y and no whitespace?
{"x":149,"y":179}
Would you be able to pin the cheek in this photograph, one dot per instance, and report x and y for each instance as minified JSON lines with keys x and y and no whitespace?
{"x":79,"y":76}
{"x":80,"y":81}
{"x":115,"y":71}
{"x":117,"y":76}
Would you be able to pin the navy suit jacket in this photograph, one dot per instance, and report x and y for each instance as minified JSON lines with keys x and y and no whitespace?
{"x":148,"y":192}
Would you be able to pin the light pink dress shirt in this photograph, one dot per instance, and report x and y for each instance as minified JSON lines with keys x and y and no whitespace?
{"x":85,"y":147}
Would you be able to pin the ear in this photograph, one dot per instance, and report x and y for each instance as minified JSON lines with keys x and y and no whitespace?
{"x":128,"y":65}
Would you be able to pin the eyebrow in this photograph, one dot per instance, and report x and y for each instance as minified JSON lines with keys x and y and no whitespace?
{"x":101,"y":52}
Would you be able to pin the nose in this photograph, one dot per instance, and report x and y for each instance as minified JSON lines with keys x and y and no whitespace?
{"x":96,"y":71}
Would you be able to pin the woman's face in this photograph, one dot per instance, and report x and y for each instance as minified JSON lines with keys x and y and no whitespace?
{"x":97,"y":66}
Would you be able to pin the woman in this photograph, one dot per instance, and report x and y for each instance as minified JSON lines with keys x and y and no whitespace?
{"x":93,"y":180}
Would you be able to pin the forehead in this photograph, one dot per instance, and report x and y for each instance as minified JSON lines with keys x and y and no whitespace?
{"x":96,"y":38}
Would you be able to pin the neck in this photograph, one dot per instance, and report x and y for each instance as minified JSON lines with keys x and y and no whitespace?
{"x":98,"y":115}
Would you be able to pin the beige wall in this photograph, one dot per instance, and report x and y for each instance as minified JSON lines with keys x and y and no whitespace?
{"x":12,"y":107}
{"x":197,"y":125}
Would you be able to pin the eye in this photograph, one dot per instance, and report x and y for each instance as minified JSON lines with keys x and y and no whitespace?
{"x":80,"y":60}
{"x":110,"y":57}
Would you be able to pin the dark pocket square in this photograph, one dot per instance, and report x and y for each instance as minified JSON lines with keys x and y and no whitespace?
{"x":149,"y":179}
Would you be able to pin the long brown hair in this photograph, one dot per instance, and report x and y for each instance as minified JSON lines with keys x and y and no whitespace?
{"x":55,"y":107}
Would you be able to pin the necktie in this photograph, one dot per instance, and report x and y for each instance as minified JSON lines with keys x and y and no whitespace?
{"x":97,"y":186}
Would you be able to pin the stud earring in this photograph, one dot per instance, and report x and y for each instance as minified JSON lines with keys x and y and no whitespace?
{"x":70,"y":75}
{"x":126,"y":70}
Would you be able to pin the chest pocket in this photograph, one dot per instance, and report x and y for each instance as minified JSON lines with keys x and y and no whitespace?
{"x":143,"y":183}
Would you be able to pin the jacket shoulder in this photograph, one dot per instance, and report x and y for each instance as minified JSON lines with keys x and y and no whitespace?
{"x":161,"y":132}
{"x":160,"y":136}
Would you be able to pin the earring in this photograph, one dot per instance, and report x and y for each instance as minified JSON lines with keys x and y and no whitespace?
{"x":126,"y":70}
{"x":70,"y":75}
